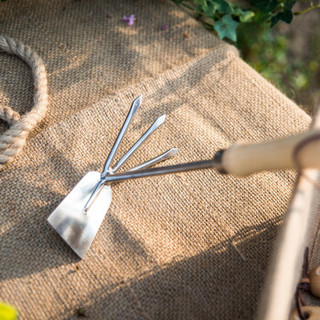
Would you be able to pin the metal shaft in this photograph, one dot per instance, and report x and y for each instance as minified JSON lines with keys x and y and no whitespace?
{"x":212,"y":163}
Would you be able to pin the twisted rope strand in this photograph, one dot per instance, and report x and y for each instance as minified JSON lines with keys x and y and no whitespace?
{"x":13,"y":140}
{"x":9,"y":115}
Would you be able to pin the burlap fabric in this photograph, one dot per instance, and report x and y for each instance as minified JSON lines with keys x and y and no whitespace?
{"x":192,"y":245}
{"x":89,"y":52}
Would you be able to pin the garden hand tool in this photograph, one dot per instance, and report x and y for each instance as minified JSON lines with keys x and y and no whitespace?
{"x":79,"y":216}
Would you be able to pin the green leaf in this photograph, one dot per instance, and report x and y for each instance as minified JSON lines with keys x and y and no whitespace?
{"x":246,"y":16}
{"x":285,"y":16}
{"x":7,"y":312}
{"x":201,"y":4}
{"x":265,"y":6}
{"x":222,"y":6}
{"x":211,"y":6}
{"x":226,"y":28}
{"x":275,"y":20}
{"x":206,"y":7}
{"x":288,"y":4}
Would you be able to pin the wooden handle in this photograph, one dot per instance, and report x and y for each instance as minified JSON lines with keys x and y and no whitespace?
{"x":315,"y":281}
{"x":245,"y":159}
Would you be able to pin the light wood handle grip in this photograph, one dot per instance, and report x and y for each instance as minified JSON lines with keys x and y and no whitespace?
{"x":245,"y":159}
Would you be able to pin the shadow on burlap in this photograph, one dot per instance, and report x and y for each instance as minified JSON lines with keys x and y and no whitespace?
{"x":189,"y":245}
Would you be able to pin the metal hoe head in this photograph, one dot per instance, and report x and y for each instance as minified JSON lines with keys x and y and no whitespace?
{"x":79,"y":216}
{"x":77,"y":227}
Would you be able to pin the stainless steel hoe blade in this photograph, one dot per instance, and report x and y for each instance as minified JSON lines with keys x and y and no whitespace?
{"x":79,"y":216}
{"x":76,"y":227}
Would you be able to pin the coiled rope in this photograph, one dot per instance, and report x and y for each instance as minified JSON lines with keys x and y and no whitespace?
{"x":14,"y":139}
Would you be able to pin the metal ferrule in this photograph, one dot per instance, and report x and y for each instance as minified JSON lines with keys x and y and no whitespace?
{"x":218,"y":161}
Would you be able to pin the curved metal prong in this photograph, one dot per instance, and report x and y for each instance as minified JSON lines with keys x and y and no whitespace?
{"x":162,"y":157}
{"x":134,"y":107}
{"x":143,"y":138}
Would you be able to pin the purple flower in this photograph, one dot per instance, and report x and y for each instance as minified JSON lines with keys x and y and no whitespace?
{"x":164,"y":27}
{"x":130,"y":20}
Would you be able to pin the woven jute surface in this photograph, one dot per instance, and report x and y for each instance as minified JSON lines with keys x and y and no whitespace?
{"x":189,"y":246}
{"x":89,"y":52}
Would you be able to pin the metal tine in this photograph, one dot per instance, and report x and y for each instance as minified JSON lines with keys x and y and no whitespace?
{"x":162,"y":157}
{"x":134,"y":107}
{"x":160,"y":120}
{"x":106,"y":168}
